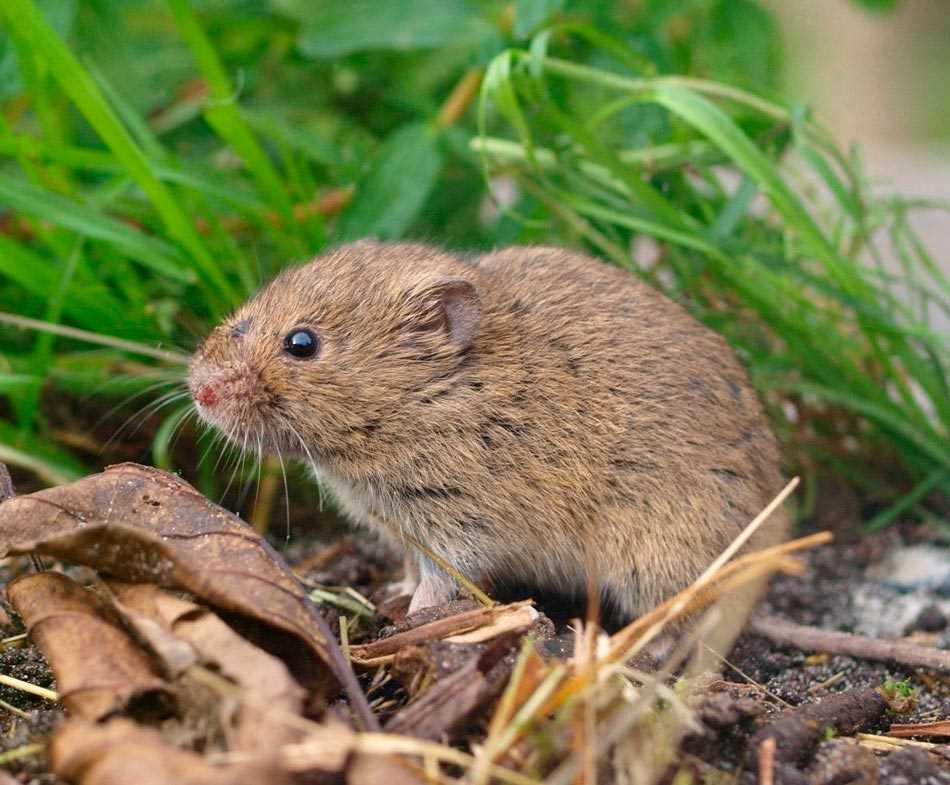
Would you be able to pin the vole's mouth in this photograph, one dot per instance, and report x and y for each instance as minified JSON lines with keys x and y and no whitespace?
{"x":242,"y":423}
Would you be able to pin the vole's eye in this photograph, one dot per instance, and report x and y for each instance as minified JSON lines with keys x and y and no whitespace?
{"x":301,"y":343}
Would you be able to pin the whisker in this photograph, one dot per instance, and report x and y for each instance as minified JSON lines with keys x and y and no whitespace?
{"x":176,"y":419}
{"x":190,"y":413}
{"x":135,"y":423}
{"x":310,"y":458}
{"x":121,"y":430}
{"x":213,"y":438}
{"x":238,"y":465}
{"x":248,"y":484}
{"x":283,"y":473}
{"x":163,"y":377}
{"x":225,"y":448}
{"x":260,"y":461}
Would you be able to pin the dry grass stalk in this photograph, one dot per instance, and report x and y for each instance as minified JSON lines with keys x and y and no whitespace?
{"x":766,"y":756}
{"x":678,"y":606}
{"x":464,"y":581}
{"x":525,"y":674}
{"x":14,"y":710}
{"x":587,"y":674}
{"x":743,"y":570}
{"x":459,"y":624}
{"x":25,"y":686}
{"x":628,"y":708}
{"x":24,"y":751}
{"x":890,"y":743}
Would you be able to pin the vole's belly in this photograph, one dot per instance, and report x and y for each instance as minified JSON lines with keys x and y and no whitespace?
{"x":485,"y":554}
{"x":359,"y":501}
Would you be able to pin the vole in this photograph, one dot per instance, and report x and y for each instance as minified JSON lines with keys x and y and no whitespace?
{"x":532,"y":415}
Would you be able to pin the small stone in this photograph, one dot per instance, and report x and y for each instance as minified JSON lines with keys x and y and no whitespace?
{"x":943,"y":590}
{"x":930,"y":619}
{"x":912,"y":568}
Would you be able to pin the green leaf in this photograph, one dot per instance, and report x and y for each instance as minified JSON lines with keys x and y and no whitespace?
{"x":156,"y":254}
{"x":223,"y":113}
{"x":910,"y":500}
{"x":92,"y":305}
{"x":878,"y":5}
{"x":51,"y":464}
{"x":757,"y":61}
{"x":60,"y":14}
{"x":333,"y":29}
{"x":163,"y":442}
{"x":531,"y":14}
{"x":389,"y":198}
{"x":14,"y":383}
{"x":25,"y":19}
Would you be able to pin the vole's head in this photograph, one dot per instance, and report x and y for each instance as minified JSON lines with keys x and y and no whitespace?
{"x":339,"y":352}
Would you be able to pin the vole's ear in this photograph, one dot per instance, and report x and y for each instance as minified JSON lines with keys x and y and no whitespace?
{"x":448,"y":304}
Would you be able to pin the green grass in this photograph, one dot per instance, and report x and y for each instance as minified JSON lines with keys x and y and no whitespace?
{"x":798,"y":285}
{"x":158,"y":160}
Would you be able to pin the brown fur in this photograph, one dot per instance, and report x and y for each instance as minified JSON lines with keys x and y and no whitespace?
{"x":523,"y":415}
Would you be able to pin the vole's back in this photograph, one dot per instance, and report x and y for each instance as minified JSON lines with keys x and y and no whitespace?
{"x":618,"y":425}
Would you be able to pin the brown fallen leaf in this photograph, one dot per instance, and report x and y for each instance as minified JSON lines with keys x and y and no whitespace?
{"x":151,"y":613}
{"x":120,"y":752}
{"x":99,"y":669}
{"x":142,"y":525}
{"x":255,"y":715}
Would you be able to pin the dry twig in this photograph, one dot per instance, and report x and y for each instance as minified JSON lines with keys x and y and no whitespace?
{"x":815,"y":639}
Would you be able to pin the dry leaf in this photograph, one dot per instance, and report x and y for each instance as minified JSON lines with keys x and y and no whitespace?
{"x":255,"y":717}
{"x":325,"y":748}
{"x":143,"y":525}
{"x":151,"y":613}
{"x":98,"y":667}
{"x":121,"y":752}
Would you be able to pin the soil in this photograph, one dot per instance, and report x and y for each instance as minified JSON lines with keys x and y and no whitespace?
{"x":867,"y":585}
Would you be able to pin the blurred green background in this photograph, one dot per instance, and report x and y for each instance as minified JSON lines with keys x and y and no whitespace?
{"x":158,"y":160}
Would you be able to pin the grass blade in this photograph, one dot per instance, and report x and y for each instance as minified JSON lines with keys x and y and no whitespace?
{"x":27,"y":22}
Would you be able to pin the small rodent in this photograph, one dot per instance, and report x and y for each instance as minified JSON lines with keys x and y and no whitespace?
{"x":527,"y":415}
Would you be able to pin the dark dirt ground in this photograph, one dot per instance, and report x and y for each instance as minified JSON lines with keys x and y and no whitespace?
{"x":841,"y":589}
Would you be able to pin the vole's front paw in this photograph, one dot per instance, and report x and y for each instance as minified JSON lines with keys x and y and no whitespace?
{"x":435,"y":588}
{"x":392,"y":600}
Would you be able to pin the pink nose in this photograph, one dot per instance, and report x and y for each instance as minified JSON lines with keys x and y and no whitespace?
{"x":206,"y":395}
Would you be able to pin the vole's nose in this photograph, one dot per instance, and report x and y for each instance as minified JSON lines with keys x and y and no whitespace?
{"x":206,"y":395}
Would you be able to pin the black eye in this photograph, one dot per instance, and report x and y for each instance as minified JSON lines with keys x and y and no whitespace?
{"x":301,"y":343}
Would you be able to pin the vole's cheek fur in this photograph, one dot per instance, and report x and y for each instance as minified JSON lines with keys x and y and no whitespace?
{"x":572,"y":420}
